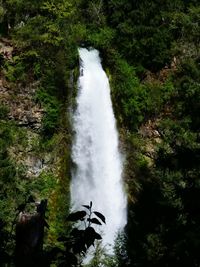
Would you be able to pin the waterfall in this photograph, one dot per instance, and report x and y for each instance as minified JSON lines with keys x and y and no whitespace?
{"x":98,"y":173}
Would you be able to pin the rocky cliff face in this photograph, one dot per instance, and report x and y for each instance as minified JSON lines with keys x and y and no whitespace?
{"x":22,"y":107}
{"x":19,"y":98}
{"x":26,"y":114}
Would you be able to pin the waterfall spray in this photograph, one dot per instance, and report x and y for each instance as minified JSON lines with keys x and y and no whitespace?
{"x":95,"y":152}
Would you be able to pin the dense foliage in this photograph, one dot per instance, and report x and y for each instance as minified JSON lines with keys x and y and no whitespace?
{"x":151,"y":52}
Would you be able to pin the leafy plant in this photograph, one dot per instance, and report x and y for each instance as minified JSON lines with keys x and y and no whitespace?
{"x":80,"y":240}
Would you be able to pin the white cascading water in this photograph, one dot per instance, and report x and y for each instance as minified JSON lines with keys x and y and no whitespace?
{"x":98,"y":174}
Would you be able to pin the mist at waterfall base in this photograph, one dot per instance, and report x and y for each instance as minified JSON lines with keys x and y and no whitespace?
{"x":98,"y":173}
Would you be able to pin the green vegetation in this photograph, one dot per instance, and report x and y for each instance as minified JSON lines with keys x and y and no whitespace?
{"x":151,"y":52}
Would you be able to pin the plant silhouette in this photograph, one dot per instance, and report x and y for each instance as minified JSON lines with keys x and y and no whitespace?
{"x":80,"y":240}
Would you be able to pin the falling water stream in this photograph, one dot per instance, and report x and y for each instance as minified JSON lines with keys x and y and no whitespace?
{"x":98,"y":173}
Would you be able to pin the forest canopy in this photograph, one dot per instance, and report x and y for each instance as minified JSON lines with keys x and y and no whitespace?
{"x":151,"y":53}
